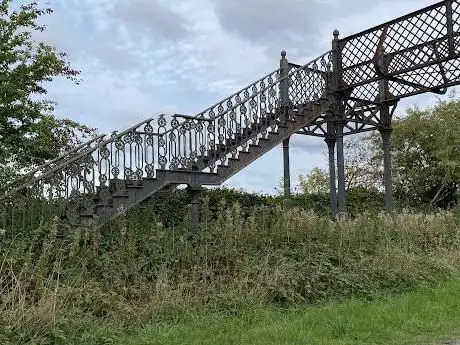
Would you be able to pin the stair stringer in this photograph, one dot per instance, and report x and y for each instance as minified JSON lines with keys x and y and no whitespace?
{"x":139,"y":191}
{"x":297,"y":121}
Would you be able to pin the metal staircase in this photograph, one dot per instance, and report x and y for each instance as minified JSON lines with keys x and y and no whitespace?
{"x":351,"y":89}
{"x":110,"y":174}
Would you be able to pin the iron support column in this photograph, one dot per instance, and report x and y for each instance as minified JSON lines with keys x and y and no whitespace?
{"x":387,"y":177}
{"x":287,"y":169}
{"x":385,"y":131}
{"x":339,"y":113}
{"x":330,"y":141}
{"x":342,"y":199}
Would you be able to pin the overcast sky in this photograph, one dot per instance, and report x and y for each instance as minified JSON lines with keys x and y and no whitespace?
{"x":140,"y":58}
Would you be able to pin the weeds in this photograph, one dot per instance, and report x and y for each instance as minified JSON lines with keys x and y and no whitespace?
{"x":137,"y":270}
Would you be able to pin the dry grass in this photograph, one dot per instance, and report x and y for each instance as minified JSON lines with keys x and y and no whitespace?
{"x":138,"y":271}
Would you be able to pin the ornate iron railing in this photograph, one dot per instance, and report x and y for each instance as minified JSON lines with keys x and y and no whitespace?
{"x":105,"y":166}
{"x":42,"y":169}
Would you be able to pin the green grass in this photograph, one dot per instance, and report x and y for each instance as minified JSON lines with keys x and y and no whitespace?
{"x":424,"y":316}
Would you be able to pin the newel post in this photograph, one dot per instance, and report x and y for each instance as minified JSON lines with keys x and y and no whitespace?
{"x":284,"y":82}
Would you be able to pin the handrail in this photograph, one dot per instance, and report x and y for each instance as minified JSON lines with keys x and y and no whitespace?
{"x":188,"y":117}
{"x":237,"y":92}
{"x":76,"y":157}
{"x":54,"y":160}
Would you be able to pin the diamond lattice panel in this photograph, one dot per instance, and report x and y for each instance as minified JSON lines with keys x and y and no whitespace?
{"x":456,"y":15}
{"x":430,"y":76}
{"x":359,"y":49}
{"x":452,"y":68}
{"x":368,"y":92}
{"x":355,"y":75}
{"x":416,"y":30}
{"x":419,"y":56}
{"x":401,"y":37}
{"x":457,"y":44}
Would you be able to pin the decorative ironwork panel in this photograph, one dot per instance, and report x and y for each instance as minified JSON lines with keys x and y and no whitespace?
{"x":84,"y":179}
{"x":360,"y":116}
{"x":415,"y":48}
{"x":309,"y":83}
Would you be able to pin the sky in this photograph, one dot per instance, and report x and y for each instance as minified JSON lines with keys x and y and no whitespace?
{"x":141,"y":58}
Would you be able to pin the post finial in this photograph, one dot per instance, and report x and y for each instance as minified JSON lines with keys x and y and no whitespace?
{"x":336,"y":33}
{"x":283,"y":54}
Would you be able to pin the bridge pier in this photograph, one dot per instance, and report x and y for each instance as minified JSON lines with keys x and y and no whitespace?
{"x":287,"y":169}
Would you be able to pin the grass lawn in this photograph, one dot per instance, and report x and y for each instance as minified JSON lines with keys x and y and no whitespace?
{"x":425,"y":316}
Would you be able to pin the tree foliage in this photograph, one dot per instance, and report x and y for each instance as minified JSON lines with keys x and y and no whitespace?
{"x":363,"y":164}
{"x":29,"y":132}
{"x":426,"y":153}
{"x":362,"y":170}
{"x":316,"y":181}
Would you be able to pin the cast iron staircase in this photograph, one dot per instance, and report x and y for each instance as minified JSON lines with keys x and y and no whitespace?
{"x":110,"y":174}
{"x":364,"y":73}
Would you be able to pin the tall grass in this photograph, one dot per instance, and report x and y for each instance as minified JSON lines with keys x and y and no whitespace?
{"x":136,"y":270}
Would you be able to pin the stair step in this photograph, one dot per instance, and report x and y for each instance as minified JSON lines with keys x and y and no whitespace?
{"x":194,"y":167}
{"x":222,"y":168}
{"x":133,"y":186}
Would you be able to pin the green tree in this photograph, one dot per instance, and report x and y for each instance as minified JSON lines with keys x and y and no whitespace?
{"x":362,"y":169}
{"x":426,"y":154}
{"x":363,"y":164}
{"x":29,"y":132}
{"x":316,"y":181}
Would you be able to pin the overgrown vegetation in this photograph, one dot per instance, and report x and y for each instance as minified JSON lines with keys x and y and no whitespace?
{"x":138,"y":271}
{"x":251,"y":251}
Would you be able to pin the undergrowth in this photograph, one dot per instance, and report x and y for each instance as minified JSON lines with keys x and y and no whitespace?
{"x":137,"y":270}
